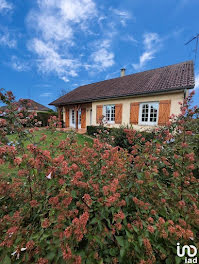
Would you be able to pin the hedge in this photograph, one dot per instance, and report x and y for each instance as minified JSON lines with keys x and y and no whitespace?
{"x":44,"y":116}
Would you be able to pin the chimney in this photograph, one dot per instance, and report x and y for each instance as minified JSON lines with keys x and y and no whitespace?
{"x":123,"y":70}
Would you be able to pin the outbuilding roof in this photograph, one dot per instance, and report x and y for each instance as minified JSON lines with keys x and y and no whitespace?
{"x":29,"y":104}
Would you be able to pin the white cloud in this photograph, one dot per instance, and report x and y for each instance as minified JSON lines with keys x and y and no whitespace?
{"x":56,"y":23}
{"x":65,"y":79}
{"x":5,"y":40}
{"x":50,"y":61}
{"x":5,"y":6}
{"x":151,"y":44}
{"x":151,"y":40}
{"x":19,"y":65}
{"x":71,"y":10}
{"x":55,"y":19}
{"x":103,"y":57}
{"x":129,"y":38}
{"x":51,"y":29}
{"x":197,"y":81}
{"x":123,"y":15}
{"x":145,"y":57}
{"x":45,"y":94}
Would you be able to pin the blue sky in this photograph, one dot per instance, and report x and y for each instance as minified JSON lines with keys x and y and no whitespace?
{"x":47,"y":46}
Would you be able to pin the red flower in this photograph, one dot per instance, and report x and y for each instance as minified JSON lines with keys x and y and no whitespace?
{"x":161,"y":221}
{"x":176,"y":174}
{"x":151,"y":229}
{"x":78,"y":260}
{"x":61,"y":181}
{"x":87,"y":199}
{"x":30,"y":245}
{"x":12,"y":230}
{"x":42,"y":261}
{"x":119,"y":216}
{"x":34,"y":203}
{"x":181,"y":204}
{"x":67,"y":255}
{"x":17,"y":161}
{"x":45,"y":223}
{"x":118,"y":226}
{"x":150,"y":220}
{"x":147,"y":245}
{"x":68,"y":232}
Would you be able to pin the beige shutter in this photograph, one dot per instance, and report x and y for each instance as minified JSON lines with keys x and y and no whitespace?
{"x":164,"y":112}
{"x":118,"y":113}
{"x":83,"y":118}
{"x":134,"y":113}
{"x":66,"y":117}
{"x":99,"y":113}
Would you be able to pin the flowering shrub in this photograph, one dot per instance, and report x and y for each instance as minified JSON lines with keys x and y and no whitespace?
{"x":76,"y":204}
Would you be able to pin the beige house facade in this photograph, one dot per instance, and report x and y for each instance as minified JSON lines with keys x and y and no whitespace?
{"x":173,"y":107}
{"x":143,"y":100}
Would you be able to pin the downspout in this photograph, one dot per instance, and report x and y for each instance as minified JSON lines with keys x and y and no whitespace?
{"x":185,"y":94}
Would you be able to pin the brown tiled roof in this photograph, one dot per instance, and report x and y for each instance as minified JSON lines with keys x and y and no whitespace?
{"x":30,"y":105}
{"x":160,"y":80}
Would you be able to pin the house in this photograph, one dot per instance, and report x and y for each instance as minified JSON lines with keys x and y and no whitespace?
{"x":30,"y":105}
{"x":144,"y":100}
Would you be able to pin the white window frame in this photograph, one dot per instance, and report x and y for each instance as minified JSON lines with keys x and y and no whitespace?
{"x":73,"y":116}
{"x":71,"y":124}
{"x":148,"y":122}
{"x":112,"y":106}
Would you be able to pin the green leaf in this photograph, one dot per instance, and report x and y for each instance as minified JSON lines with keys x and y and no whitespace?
{"x":51,"y":255}
{"x":129,"y":235}
{"x":178,"y":260}
{"x":113,"y":252}
{"x":120,"y":240}
{"x":122,"y":252}
{"x":136,"y":229}
{"x":94,"y":221}
{"x":169,"y":261}
{"x":6,"y":260}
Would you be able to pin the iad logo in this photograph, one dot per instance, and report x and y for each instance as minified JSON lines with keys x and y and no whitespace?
{"x":187,"y":250}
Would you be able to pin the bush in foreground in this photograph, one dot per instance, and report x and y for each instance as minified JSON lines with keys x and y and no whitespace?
{"x":75,"y":204}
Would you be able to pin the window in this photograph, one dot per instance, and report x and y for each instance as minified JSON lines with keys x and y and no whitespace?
{"x":148,"y":113}
{"x":73,"y":116}
{"x":109,"y":113}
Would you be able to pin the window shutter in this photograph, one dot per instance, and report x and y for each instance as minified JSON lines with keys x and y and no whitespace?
{"x":118,"y":113}
{"x":99,"y":114}
{"x":164,"y":112}
{"x":134,"y":113}
{"x":83,"y":118}
{"x":66,"y":117}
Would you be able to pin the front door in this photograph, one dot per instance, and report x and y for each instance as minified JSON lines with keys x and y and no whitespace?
{"x":79,"y":118}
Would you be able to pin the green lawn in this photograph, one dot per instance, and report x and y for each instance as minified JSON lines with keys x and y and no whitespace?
{"x":54,"y":137}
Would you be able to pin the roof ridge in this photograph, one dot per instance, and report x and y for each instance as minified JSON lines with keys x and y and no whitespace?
{"x":184,"y":62}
